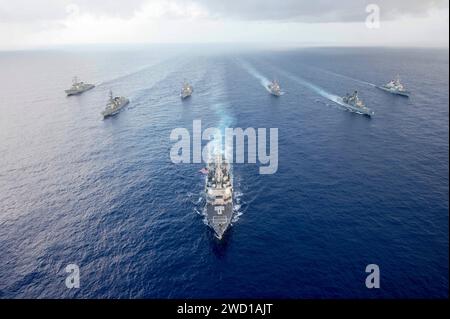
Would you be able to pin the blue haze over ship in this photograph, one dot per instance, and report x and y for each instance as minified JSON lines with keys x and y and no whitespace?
{"x":349,"y":190}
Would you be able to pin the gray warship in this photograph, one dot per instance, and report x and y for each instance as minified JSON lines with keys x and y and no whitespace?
{"x":353,"y":103}
{"x":78,"y":87}
{"x":274,"y":88}
{"x":395,"y":87}
{"x":186,"y":91}
{"x":114,"y":105}
{"x":219,"y":195}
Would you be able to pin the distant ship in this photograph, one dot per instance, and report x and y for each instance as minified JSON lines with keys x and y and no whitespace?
{"x":114,"y":105}
{"x":274,"y":88}
{"x":354,"y":103}
{"x":219,"y":195}
{"x":186,"y":90}
{"x":78,"y":87}
{"x":395,"y":87}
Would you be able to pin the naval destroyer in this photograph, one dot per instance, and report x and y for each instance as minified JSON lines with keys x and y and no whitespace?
{"x":186,"y":90}
{"x":395,"y":87}
{"x":78,"y":87}
{"x":219,"y":195}
{"x":274,"y":88}
{"x":114,"y":105}
{"x":353,"y":103}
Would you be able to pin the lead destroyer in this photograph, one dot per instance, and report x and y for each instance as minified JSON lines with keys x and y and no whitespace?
{"x":186,"y":90}
{"x":219,"y":195}
{"x":274,"y":88}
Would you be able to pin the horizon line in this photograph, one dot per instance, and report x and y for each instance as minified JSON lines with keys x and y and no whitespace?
{"x":249,"y":44}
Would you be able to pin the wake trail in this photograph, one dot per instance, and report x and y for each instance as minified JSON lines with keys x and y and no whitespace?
{"x":320,"y":91}
{"x":141,"y":69}
{"x":257,"y":75}
{"x":125,"y":75}
{"x":345,"y":77}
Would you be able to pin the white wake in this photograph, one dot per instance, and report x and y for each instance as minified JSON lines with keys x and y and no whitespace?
{"x":257,"y":75}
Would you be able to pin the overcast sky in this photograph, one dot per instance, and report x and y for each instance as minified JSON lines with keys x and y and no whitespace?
{"x":41,"y":23}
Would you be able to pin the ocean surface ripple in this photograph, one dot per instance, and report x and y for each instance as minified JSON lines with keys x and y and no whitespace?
{"x":103,"y":194}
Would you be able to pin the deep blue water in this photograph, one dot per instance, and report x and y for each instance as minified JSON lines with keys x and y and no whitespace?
{"x":349,"y":191}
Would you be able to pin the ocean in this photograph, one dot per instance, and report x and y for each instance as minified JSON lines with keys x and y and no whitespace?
{"x":103,"y":194}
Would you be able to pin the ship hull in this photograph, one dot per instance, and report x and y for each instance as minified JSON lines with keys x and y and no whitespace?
{"x":219,"y":217}
{"x":404,"y":94}
{"x":351,"y":108}
{"x":186,"y":93}
{"x":273,"y":91}
{"x":275,"y":94}
{"x":366,"y":111}
{"x":78,"y":92}
{"x":107,"y":113}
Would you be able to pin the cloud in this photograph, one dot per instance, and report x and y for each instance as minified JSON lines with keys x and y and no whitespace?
{"x":23,"y":11}
{"x":312,"y":11}
{"x":317,"y":10}
{"x":35,"y":23}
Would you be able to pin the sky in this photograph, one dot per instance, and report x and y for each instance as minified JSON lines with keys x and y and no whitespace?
{"x":26,"y":24}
